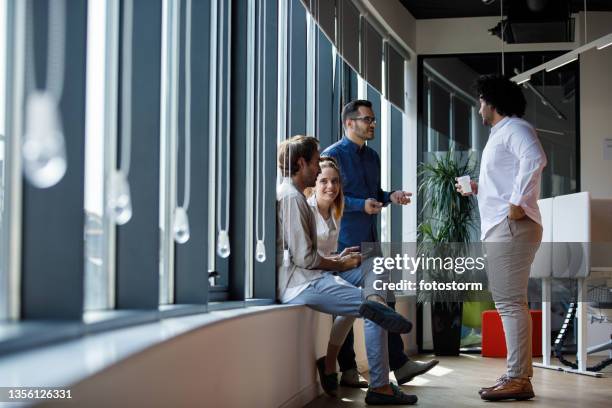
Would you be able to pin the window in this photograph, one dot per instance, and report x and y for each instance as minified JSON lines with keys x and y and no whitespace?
{"x":4,"y":292}
{"x":449,"y":111}
{"x":264,"y":273}
{"x":338,"y":83}
{"x":396,"y":156}
{"x":102,"y":21}
{"x":296,"y":86}
{"x":374,"y":96}
{"x":155,"y":103}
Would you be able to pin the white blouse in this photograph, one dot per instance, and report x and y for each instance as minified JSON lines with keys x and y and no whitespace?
{"x":327,"y":232}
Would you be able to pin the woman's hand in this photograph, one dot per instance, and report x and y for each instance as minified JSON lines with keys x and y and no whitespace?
{"x":349,"y":250}
{"x":350,"y":261}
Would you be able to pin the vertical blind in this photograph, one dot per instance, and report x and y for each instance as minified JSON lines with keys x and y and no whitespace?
{"x":363,"y":45}
{"x":348,"y":30}
{"x":394,"y":64}
{"x":372,"y":55}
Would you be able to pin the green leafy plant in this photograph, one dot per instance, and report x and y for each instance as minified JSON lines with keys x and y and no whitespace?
{"x":448,"y":217}
{"x":448,"y":220}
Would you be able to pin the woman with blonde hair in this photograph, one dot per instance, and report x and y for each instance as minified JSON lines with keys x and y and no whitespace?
{"x":326,"y":201}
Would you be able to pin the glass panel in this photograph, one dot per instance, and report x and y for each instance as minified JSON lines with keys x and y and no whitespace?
{"x":374,"y":96}
{"x":449,"y":119}
{"x":372,"y":55}
{"x":297,"y":69}
{"x":326,"y":129}
{"x":551,"y":109}
{"x":395,"y":157}
{"x":349,"y":32}
{"x":97,"y":283}
{"x":169,"y":82}
{"x":395,"y":78}
{"x":462,"y":115}
{"x":3,"y":154}
{"x":221,"y":282}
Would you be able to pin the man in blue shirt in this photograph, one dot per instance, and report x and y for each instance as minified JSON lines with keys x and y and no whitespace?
{"x":363,"y":200}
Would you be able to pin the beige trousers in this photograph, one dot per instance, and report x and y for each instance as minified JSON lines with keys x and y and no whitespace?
{"x":511,"y":247}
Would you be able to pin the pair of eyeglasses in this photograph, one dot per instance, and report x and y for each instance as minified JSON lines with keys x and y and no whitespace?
{"x":368,"y":119}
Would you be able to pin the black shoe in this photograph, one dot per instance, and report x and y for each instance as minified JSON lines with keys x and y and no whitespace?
{"x":398,"y":397}
{"x":329,"y":382}
{"x":385,"y":317}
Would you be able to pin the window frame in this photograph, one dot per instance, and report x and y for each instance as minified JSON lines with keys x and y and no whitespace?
{"x":10,"y":238}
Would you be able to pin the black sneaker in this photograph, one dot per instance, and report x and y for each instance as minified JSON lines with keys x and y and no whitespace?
{"x":385,"y":317}
{"x":329,"y":382}
{"x":398,"y":397}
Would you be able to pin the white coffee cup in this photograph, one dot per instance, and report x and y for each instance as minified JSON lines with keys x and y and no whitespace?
{"x":464,"y":182}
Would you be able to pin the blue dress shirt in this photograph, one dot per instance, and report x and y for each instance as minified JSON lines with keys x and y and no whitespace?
{"x":360,"y":172}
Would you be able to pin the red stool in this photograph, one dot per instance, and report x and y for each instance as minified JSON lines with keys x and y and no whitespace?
{"x":493,"y":340}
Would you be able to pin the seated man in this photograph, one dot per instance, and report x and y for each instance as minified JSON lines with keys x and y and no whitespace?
{"x":301,"y":279}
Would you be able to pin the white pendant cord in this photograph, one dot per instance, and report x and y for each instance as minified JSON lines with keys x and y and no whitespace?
{"x":289,"y":69}
{"x":126,"y":88}
{"x":223,"y":244}
{"x":586,"y":40}
{"x":286,"y":222}
{"x":181,"y":219}
{"x":258,"y":120}
{"x":220,"y":114}
{"x":503,"y":26}
{"x":187,"y":130}
{"x":227,"y":116}
{"x":54,"y":82}
{"x":287,"y":178}
{"x":119,"y":197}
{"x":43,"y":149}
{"x":261,"y":137}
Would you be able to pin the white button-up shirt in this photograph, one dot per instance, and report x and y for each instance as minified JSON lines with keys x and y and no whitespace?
{"x":327,"y":236}
{"x":510,"y":172}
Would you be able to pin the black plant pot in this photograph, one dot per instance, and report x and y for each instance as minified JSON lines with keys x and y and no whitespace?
{"x":446,"y":327}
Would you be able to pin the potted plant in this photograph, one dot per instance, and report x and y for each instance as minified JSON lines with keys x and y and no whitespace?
{"x":448,"y":223}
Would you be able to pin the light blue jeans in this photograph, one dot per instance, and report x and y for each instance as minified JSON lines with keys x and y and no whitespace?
{"x":341,"y":296}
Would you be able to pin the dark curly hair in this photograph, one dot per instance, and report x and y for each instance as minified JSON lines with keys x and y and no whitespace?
{"x":502,"y":94}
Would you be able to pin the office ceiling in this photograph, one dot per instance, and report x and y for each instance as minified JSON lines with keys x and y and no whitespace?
{"x":422,"y":9}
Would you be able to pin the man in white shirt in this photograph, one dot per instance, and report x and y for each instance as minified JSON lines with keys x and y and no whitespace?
{"x":507,"y":190}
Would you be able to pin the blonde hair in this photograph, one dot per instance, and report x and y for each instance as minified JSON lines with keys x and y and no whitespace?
{"x":331,"y":163}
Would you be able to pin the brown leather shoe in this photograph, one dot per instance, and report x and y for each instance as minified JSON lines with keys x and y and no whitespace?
{"x":510,"y":388}
{"x":497,"y":382}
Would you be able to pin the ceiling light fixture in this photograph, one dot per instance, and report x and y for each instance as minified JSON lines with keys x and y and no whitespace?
{"x":522,"y":80}
{"x":566,"y":58}
{"x":559,"y":62}
{"x":607,"y":41}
